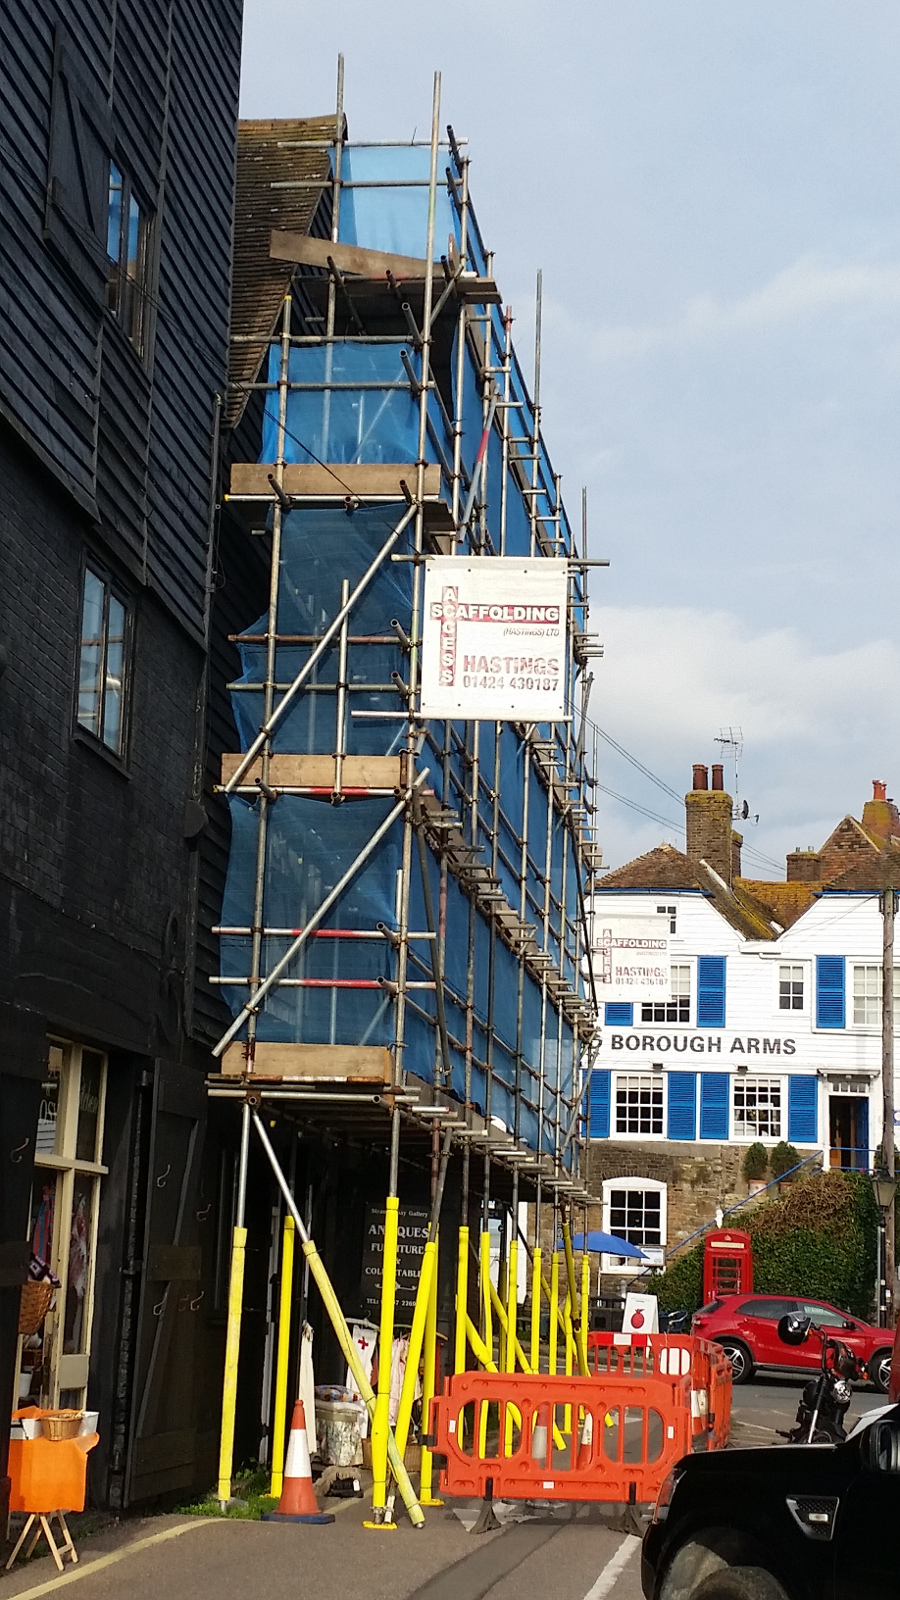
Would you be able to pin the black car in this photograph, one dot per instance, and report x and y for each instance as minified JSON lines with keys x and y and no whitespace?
{"x":794,"y":1522}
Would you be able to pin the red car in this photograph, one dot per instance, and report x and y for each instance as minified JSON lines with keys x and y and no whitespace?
{"x":746,"y":1327}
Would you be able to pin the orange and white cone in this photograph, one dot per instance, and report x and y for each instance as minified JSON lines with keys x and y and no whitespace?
{"x":540,"y":1436}
{"x":298,"y":1497}
{"x":586,"y":1443}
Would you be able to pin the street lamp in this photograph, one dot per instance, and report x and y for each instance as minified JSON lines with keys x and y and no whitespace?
{"x":885,"y":1187}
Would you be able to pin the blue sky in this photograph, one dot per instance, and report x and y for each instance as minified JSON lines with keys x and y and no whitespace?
{"x":712,"y":194}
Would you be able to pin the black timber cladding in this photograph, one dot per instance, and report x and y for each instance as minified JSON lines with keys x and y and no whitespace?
{"x":129,"y":438}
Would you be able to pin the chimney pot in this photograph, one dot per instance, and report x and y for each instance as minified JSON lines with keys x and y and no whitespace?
{"x":879,"y":789}
{"x":718,"y":781}
{"x":701,"y":776}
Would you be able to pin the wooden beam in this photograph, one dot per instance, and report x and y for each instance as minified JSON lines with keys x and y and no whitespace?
{"x":307,"y":252}
{"x":310,"y":1063}
{"x":357,"y":478}
{"x":318,"y":772}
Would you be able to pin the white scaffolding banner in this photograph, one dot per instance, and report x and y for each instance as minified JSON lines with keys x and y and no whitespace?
{"x":631,"y":958}
{"x":494,"y":639}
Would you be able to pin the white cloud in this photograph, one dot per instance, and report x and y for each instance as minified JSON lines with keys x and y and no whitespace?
{"x":817,"y":725}
{"x":807,"y":288}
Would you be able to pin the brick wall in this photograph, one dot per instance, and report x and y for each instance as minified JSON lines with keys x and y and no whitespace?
{"x":92,"y":857}
{"x":708,"y":829}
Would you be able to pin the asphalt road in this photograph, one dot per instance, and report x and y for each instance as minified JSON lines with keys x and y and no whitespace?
{"x":565,"y":1553}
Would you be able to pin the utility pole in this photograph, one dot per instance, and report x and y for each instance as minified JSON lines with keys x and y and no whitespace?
{"x":888,"y":903}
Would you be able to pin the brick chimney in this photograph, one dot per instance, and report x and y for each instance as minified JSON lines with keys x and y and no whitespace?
{"x":737,"y":840}
{"x":880,"y":816}
{"x":708,"y":823}
{"x":803,"y":866}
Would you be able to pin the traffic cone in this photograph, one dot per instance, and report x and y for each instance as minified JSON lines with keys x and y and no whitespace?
{"x":298,"y":1498}
{"x":540,"y":1435}
{"x":586,"y":1442}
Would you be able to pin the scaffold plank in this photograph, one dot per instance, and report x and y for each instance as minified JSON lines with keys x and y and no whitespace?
{"x":291,"y":771}
{"x":309,"y":1062}
{"x":285,"y":245}
{"x":312,"y":479}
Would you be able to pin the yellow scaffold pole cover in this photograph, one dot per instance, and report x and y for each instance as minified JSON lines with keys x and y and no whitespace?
{"x":381,"y":1420}
{"x":580,"y":1349}
{"x":414,"y":1349}
{"x":485,"y":1286}
{"x":462,"y":1296}
{"x":232,"y":1350}
{"x":426,"y":1498}
{"x":536,"y":1278}
{"x":284,"y":1348}
{"x":554,"y":1313}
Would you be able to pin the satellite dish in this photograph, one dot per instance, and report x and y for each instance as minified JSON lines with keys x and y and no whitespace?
{"x":745,"y":811}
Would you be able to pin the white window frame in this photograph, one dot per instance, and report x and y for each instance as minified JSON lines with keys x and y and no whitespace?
{"x":794,"y":966}
{"x":654,"y":1073}
{"x":628,"y":1264}
{"x":872,"y":967}
{"x":686,"y":969}
{"x":70,"y":1372}
{"x":755,"y":1080}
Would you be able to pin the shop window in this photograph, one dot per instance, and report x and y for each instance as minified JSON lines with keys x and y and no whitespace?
{"x":639,"y":1103}
{"x":757,"y":1107}
{"x":678,"y":1007}
{"x":53,"y":1363}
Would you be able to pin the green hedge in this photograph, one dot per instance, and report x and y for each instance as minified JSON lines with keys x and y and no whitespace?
{"x":818,"y":1239}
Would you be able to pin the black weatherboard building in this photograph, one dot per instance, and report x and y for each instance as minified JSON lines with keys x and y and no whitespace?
{"x":117,"y":149}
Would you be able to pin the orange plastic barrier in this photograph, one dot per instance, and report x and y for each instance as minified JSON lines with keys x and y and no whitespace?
{"x":497,"y":1429}
{"x":642,"y":1354}
{"x":48,"y":1474}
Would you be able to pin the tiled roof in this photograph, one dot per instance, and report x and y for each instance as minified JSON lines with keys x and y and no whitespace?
{"x":665,"y":868}
{"x":881,"y":872}
{"x":268,"y":154}
{"x":783,"y":901}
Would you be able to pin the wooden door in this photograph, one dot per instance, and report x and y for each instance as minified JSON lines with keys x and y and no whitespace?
{"x":163,"y":1435}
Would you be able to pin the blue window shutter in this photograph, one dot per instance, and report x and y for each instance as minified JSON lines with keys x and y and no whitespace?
{"x":803,"y":1109}
{"x":711,"y":992}
{"x":830,"y":991}
{"x":600,"y":1104}
{"x":714,"y":1091}
{"x":682,"y":1105}
{"x":618,"y":1014}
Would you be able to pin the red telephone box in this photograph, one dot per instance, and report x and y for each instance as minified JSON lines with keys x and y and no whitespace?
{"x":727,"y":1264}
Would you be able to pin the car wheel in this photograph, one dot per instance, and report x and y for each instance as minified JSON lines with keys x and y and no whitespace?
{"x":740,"y":1358}
{"x":739,"y":1583}
{"x":880,"y":1369}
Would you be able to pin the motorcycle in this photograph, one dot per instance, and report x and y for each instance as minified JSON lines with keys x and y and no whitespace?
{"x":825,"y":1399}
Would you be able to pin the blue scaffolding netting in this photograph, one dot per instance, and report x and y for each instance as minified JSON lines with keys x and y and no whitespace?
{"x":514,"y":1053}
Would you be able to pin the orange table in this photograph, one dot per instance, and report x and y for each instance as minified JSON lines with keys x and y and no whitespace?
{"x":47,"y":1479}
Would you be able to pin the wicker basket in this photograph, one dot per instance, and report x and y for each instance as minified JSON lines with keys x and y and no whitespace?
{"x":34,"y":1303}
{"x":61,"y":1424}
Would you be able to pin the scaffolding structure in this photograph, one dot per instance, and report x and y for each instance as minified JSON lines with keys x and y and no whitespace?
{"x":404,"y":930}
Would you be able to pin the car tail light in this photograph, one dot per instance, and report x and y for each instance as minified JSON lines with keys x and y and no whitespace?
{"x":664,"y":1498}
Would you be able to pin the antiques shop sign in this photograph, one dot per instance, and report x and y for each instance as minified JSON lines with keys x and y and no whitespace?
{"x":412,"y":1238}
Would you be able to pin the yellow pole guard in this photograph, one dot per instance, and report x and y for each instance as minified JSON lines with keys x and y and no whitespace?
{"x":360,"y":1377}
{"x":559,"y":1316}
{"x":555,"y":1314}
{"x":381,"y":1421}
{"x":585,"y":1302}
{"x":479,"y":1349}
{"x":573,"y":1293}
{"x":484,"y":1273}
{"x":232,"y":1351}
{"x":535,"y":1351}
{"x":462,"y":1296}
{"x":570,"y":1347}
{"x":426,"y":1479}
{"x":284,"y":1347}
{"x":414,"y":1350}
{"x":512,"y":1302}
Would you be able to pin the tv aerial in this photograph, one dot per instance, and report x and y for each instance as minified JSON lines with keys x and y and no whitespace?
{"x":732,"y":743}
